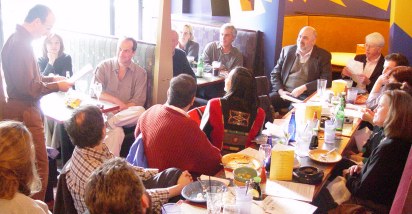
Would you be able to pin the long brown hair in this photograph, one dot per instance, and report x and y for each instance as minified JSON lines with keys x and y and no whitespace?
{"x":47,"y":40}
{"x":18,"y":172}
{"x":399,"y":122}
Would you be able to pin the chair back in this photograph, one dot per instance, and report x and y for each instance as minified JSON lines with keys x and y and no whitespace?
{"x":262,"y":87}
{"x":64,"y":202}
{"x":403,"y":197}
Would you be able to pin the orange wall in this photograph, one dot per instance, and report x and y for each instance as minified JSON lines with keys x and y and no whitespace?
{"x":335,"y":34}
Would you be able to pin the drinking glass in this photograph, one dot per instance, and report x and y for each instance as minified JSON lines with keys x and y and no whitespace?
{"x":266,"y":149}
{"x":97,"y":88}
{"x":321,"y":88}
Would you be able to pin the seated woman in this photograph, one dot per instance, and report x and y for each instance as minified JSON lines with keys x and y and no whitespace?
{"x":54,"y":60}
{"x":377,"y":180}
{"x":397,"y":74}
{"x":186,"y":42}
{"x":18,"y":173}
{"x":233,"y":121}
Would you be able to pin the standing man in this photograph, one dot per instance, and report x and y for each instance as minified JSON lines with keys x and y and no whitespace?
{"x":372,"y":60}
{"x":223,"y":50}
{"x":124,"y":84}
{"x":298,"y":68}
{"x":25,"y":85}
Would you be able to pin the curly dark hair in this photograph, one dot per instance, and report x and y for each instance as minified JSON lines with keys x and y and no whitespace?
{"x":182,"y":90}
{"x":85,"y":127}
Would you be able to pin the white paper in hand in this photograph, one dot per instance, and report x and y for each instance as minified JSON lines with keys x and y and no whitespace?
{"x":354,"y":66}
{"x":79,"y":74}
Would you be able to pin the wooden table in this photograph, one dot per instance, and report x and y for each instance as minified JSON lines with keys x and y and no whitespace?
{"x":208,"y":79}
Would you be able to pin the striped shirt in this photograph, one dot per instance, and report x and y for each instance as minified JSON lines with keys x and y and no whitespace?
{"x":85,"y":160}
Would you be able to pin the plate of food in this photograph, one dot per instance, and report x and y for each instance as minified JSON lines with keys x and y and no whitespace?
{"x":196,"y":191}
{"x":323,"y":156}
{"x":236,"y":160}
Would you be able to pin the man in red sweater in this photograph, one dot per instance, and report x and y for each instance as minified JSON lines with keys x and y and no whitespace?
{"x":171,"y":138}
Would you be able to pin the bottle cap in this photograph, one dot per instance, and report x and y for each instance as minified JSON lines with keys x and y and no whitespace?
{"x":257,"y":179}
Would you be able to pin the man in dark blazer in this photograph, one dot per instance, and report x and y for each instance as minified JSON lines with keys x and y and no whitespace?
{"x":372,"y":60}
{"x":298,"y":68}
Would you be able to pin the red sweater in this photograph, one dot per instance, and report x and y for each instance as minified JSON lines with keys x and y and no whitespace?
{"x":213,"y":117}
{"x":173,"y":140}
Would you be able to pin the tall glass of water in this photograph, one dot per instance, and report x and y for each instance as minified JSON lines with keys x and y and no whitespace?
{"x":97,"y":88}
{"x":266,"y":149}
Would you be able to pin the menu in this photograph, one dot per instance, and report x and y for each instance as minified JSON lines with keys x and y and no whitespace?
{"x":281,"y":165}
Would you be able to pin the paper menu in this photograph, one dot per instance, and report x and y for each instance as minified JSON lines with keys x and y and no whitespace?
{"x":354,"y":66}
{"x":282,"y":205}
{"x":291,"y":190}
{"x":79,"y":74}
{"x":281,"y":165}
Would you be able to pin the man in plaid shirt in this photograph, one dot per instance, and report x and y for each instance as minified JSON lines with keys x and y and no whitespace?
{"x":87,"y":130}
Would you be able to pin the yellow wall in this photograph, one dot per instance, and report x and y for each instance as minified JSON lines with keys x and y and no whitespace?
{"x":335,"y":34}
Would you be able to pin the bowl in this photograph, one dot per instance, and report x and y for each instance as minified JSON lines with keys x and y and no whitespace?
{"x":243,"y":174}
{"x":194,"y":191}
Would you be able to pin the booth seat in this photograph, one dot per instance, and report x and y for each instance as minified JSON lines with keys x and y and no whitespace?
{"x":247,"y":41}
{"x":89,"y":48}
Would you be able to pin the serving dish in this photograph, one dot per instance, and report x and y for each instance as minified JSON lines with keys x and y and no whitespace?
{"x":236,"y":160}
{"x":196,"y":192}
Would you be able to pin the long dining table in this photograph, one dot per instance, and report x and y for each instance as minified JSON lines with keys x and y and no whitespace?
{"x":344,"y":142}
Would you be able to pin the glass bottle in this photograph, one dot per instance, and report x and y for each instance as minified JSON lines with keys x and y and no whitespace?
{"x":200,"y":66}
{"x":292,"y":127}
{"x":340,"y":115}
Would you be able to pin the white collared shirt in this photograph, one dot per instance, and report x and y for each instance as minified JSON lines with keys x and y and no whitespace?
{"x":304,"y":58}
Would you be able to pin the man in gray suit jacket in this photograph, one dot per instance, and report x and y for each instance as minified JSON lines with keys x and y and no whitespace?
{"x":298,"y":68}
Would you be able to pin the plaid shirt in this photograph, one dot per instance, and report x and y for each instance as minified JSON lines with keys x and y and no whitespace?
{"x":85,"y":160}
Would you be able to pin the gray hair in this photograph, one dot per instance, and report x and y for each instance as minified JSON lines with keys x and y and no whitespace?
{"x":375,"y":38}
{"x":229,"y":26}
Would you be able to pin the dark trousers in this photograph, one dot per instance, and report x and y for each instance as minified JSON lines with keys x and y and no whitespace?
{"x":164,"y":179}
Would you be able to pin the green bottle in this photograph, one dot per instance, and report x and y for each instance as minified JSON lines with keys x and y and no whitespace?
{"x":340,"y":115}
{"x":200,"y":67}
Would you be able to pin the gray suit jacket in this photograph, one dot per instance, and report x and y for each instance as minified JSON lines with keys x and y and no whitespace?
{"x":319,"y":68}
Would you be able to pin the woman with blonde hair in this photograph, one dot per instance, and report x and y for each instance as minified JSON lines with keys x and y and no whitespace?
{"x":18,"y":173}
{"x":378,"y":179}
{"x":186,"y":42}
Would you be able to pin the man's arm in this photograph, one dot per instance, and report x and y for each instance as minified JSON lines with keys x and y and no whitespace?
{"x":276,"y":74}
{"x":140,"y":89}
{"x":208,"y":53}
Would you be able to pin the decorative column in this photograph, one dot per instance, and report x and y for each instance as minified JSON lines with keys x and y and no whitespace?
{"x":163,"y":70}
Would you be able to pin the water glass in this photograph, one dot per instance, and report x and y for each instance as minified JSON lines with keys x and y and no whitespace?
{"x":243,"y":200}
{"x":321,"y":87}
{"x":302,"y":143}
{"x":352,"y":94}
{"x":171,"y":208}
{"x":214,"y":202}
{"x":266,"y":150}
{"x":329,"y":131}
{"x":231,"y":209}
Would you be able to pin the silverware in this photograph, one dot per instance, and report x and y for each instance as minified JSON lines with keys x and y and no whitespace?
{"x":324,"y":156}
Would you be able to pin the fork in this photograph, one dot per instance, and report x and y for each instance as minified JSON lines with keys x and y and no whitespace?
{"x":324,"y":156}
